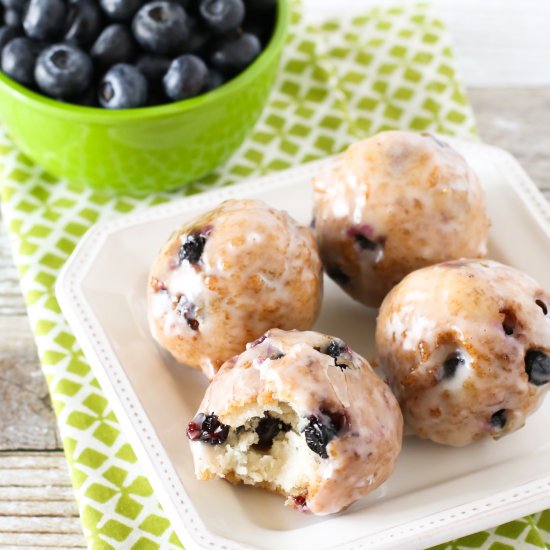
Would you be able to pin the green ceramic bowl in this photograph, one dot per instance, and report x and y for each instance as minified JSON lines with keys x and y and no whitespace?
{"x":138,"y":151}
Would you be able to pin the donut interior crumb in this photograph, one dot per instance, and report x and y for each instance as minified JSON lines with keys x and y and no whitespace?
{"x":283,"y":463}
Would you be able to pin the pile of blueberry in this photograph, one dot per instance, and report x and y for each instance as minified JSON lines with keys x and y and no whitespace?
{"x":121,"y":54}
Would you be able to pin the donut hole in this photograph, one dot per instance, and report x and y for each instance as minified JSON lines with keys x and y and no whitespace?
{"x":542,"y":306}
{"x":266,"y":446}
{"x":510,"y":321}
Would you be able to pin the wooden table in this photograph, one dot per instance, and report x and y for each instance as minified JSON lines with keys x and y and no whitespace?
{"x":37,"y":508}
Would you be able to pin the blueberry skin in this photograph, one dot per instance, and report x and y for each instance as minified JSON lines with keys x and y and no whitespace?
{"x":233,"y":56}
{"x":260,"y":5}
{"x":44,"y":19}
{"x":7,"y":34}
{"x":18,"y":60}
{"x":161,"y":27}
{"x":114,"y":45}
{"x":537,"y":366}
{"x":198,"y":39}
{"x":185,"y":78}
{"x":17,"y":5}
{"x":214,"y":79}
{"x":123,"y":87}
{"x":222,"y":16}
{"x":153,"y":68}
{"x":83,"y":23}
{"x":121,"y":10}
{"x":13,"y":18}
{"x":63,"y":70}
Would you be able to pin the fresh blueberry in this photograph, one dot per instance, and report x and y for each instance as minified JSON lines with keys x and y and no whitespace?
{"x":188,"y":311}
{"x":83,"y":23}
{"x":191,"y":250}
{"x":13,"y":18}
{"x":453,"y":362}
{"x":63,"y":70}
{"x":198,"y":38}
{"x":214,"y":79}
{"x":18,"y":59}
{"x":322,"y":429}
{"x":161,"y":27}
{"x":207,"y":428}
{"x":121,"y":10}
{"x":123,"y":87}
{"x":114,"y":45}
{"x":222,"y":16}
{"x":153,"y":68}
{"x":7,"y":34}
{"x":45,"y":19}
{"x":542,"y":306}
{"x":260,"y":5}
{"x":233,"y":55}
{"x":88,"y":98}
{"x":17,"y":5}
{"x":268,"y":428}
{"x":537,"y":366}
{"x":498,"y":420}
{"x":185,"y":78}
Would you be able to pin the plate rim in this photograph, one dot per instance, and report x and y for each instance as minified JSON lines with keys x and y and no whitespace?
{"x":523,"y":499}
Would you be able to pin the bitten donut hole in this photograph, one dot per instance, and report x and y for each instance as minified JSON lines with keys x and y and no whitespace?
{"x":266,"y":447}
{"x":510,"y":321}
{"x":542,"y":306}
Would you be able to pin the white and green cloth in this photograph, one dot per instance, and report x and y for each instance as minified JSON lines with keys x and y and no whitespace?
{"x":339,"y":82}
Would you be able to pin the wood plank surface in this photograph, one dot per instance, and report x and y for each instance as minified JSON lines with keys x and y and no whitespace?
{"x":37,"y":507}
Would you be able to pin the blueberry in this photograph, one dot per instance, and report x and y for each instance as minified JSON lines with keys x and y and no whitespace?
{"x":452,"y":362}
{"x":63,"y":70}
{"x":123,"y":87}
{"x":198,"y":37}
{"x":365,"y":243}
{"x":188,"y":311}
{"x":18,"y":59}
{"x":121,"y":10}
{"x":214,"y":79}
{"x":7,"y":34}
{"x":44,"y":19}
{"x":498,"y":420}
{"x":222,"y":16}
{"x":88,"y":98}
{"x":185,"y":78}
{"x":261,"y":5}
{"x":268,"y":428}
{"x":18,"y":5}
{"x":537,"y":366}
{"x":161,"y":27}
{"x":335,"y":349}
{"x":337,"y":275}
{"x":542,"y":306}
{"x":322,"y":429}
{"x":83,"y":23}
{"x":153,"y":68}
{"x":207,"y":428}
{"x":12,"y":18}
{"x":114,"y":45}
{"x":510,"y":321}
{"x":233,"y":55}
{"x":191,"y":250}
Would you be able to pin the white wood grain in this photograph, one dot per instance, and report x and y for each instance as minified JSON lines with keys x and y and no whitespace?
{"x":496,"y":42}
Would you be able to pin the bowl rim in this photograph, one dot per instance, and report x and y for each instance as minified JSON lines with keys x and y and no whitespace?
{"x":108,"y":116}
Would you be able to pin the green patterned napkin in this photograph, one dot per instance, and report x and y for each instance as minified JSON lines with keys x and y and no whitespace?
{"x":339,"y":82}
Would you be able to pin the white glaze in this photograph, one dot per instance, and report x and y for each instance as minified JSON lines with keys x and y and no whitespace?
{"x":304,"y":381}
{"x":418,"y":198}
{"x":258,"y":269}
{"x":460,"y":306}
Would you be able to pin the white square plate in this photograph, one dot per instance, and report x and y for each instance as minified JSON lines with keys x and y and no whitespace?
{"x":436,"y":493}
